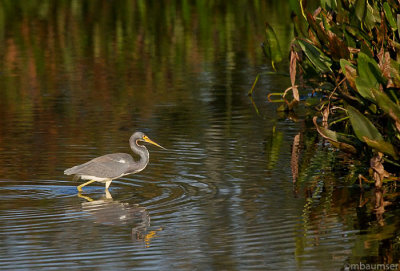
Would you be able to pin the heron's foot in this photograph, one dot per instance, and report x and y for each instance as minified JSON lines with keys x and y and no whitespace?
{"x":108,"y":194}
{"x":84,"y":184}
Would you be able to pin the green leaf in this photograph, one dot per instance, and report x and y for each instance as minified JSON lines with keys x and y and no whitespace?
{"x":362,"y":38}
{"x":364,"y":88}
{"x":369,"y":77}
{"x":367,"y":48}
{"x":382,"y":146}
{"x":370,"y":19}
{"x":340,"y":141}
{"x":387,"y":105}
{"x":349,"y":39}
{"x":349,"y":71}
{"x":344,"y":63}
{"x":317,"y":58}
{"x":362,"y":126}
{"x":368,"y":133}
{"x":295,"y":7}
{"x":389,"y":16}
{"x":359,"y":34}
{"x":361,"y":9}
{"x":369,"y":70}
{"x":328,"y":4}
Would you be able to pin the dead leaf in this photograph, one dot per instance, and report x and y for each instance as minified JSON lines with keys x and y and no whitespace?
{"x":325,"y":115}
{"x":379,"y":172}
{"x":337,"y":47}
{"x":293,"y":60}
{"x":351,"y":75}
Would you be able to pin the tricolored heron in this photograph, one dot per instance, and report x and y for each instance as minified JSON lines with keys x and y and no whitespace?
{"x":108,"y":167}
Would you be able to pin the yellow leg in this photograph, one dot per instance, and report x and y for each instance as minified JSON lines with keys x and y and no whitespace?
{"x":82,"y":185}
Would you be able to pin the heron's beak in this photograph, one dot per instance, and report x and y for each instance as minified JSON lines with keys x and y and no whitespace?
{"x":148,"y":140}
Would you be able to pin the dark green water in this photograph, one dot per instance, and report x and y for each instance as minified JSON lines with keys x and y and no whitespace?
{"x":77,"y":78}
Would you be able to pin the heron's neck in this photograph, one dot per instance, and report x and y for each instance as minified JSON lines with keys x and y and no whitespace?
{"x":143,"y":154}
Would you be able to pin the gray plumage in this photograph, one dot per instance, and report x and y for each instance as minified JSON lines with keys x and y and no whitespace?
{"x":112,"y":166}
{"x":107,"y":166}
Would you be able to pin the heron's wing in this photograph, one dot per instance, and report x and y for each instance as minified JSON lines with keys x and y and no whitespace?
{"x":106,"y":166}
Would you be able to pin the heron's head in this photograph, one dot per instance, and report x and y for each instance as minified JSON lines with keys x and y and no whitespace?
{"x":141,"y":137}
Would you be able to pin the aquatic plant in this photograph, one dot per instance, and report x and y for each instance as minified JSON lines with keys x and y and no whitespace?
{"x":346,"y":52}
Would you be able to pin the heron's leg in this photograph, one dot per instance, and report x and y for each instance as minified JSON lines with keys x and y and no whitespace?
{"x":108,"y":195}
{"x":108,"y":184}
{"x":82,"y":185}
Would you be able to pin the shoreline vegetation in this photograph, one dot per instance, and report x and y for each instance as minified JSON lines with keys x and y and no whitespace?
{"x":345,"y":56}
{"x":345,"y":60}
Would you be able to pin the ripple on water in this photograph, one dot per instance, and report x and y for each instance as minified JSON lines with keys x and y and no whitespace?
{"x":33,"y":192}
{"x":168,"y":197}
{"x":47,"y":223}
{"x":161,"y":198}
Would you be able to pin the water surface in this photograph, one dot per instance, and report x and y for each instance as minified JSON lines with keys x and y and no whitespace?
{"x":79,"y":77}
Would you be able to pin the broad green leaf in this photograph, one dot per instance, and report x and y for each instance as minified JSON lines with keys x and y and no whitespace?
{"x":317,"y":58}
{"x":369,"y":70}
{"x":343,"y":142}
{"x":359,"y":34}
{"x":362,"y":38}
{"x":382,"y":146}
{"x":375,"y":10}
{"x":362,"y":126}
{"x":361,"y":9}
{"x":389,"y":16}
{"x":387,"y":105}
{"x":364,"y":88}
{"x":369,"y":17}
{"x":367,"y":132}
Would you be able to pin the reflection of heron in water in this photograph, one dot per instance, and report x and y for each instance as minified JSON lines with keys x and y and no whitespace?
{"x":106,"y":211}
{"x":108,"y":167}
